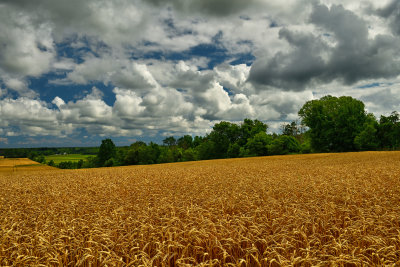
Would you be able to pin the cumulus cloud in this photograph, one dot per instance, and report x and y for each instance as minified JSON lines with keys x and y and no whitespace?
{"x":342,"y":50}
{"x":177,"y":67}
{"x":26,"y":49}
{"x":191,"y":102}
{"x":31,"y":117}
{"x":391,"y":12}
{"x":19,"y":85}
{"x":212,"y":7}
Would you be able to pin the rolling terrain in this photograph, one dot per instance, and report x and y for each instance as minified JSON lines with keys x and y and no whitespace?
{"x":20,"y":165}
{"x":303,"y":210}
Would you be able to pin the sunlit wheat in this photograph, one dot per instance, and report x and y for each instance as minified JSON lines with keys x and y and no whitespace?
{"x":305,"y":210}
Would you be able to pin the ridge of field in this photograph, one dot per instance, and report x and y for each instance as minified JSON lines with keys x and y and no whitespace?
{"x":10,"y":162}
{"x":300,"y":210}
{"x":69,"y":157}
{"x":22,"y":165}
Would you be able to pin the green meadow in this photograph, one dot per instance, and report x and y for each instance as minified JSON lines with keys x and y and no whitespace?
{"x":69,"y":157}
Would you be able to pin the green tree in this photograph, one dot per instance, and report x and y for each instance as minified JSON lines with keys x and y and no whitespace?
{"x":334,"y":122}
{"x":169,"y":141}
{"x":367,"y":138}
{"x":107,"y":151}
{"x":148,"y":154}
{"x":91,"y":162}
{"x":166,"y":155}
{"x":290,"y":129}
{"x":389,"y":131}
{"x":234,"y":150}
{"x":189,"y":154}
{"x":197,"y":140}
{"x":249,"y":128}
{"x":79,"y":164}
{"x":206,"y":150}
{"x":132,"y":155}
{"x":185,"y":142}
{"x":66,"y":165}
{"x":283,"y":145}
{"x":257,"y":145}
{"x":40,"y":159}
{"x":222,"y":135}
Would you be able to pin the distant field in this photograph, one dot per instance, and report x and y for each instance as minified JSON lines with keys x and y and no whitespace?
{"x":10,"y":162}
{"x":298,"y":210}
{"x":21,"y":165}
{"x":71,"y":157}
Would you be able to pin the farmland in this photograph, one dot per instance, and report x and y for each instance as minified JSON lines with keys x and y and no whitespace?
{"x":21,"y":165}
{"x":69,"y":157}
{"x":303,"y":210}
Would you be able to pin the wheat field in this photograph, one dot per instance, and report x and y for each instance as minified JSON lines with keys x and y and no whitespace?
{"x":300,"y":210}
{"x":20,"y":165}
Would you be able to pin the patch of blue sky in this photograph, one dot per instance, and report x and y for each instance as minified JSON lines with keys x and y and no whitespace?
{"x":173,"y":30}
{"x":5,"y":93}
{"x":226,"y":89}
{"x":77,"y":48}
{"x":214,"y":51}
{"x":247,"y":58}
{"x":273,"y":24}
{"x":370,"y":85}
{"x":48,"y":91}
{"x":65,"y":50}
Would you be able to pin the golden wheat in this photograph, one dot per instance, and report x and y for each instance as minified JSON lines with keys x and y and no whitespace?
{"x":21,"y":165}
{"x":305,"y":210}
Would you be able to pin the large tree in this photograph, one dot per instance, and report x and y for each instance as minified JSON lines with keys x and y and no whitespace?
{"x":227,"y":136}
{"x":334,"y":122}
{"x":222,"y":135}
{"x":389,"y":131}
{"x":107,"y":151}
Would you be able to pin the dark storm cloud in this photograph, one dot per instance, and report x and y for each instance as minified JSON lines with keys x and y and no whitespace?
{"x":392,"y":12}
{"x":356,"y":57}
{"x":351,"y":57}
{"x":64,"y":12}
{"x":291,"y":70}
{"x":211,"y":7}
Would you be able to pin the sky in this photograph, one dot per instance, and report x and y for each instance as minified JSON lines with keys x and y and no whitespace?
{"x":75,"y":72}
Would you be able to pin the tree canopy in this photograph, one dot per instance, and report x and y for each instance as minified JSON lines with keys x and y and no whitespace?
{"x":334,"y":122}
{"x":107,"y":151}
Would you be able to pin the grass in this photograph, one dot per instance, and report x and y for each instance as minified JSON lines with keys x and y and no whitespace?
{"x":70,"y":157}
{"x":298,"y":210}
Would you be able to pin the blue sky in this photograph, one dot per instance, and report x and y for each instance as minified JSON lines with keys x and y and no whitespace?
{"x":75,"y":72}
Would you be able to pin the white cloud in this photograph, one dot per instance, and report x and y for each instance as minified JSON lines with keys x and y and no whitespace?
{"x":32,"y":117}
{"x":26,"y":49}
{"x":234,"y":78}
{"x":142,"y":49}
{"x":20,"y":86}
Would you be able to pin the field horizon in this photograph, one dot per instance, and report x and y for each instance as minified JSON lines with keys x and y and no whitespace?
{"x":68,"y":157}
{"x":302,"y":210}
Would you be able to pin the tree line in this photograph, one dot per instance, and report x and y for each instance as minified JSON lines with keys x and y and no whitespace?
{"x":226,"y":140}
{"x":329,"y":124}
